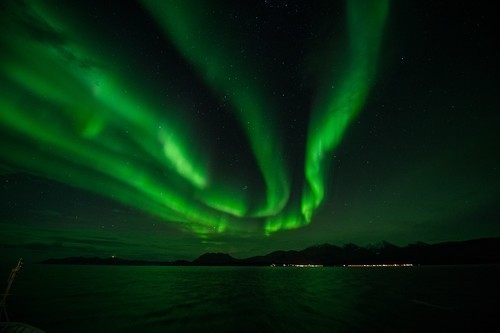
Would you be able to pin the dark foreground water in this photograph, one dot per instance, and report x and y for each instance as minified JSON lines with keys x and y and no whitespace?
{"x":264,"y":299}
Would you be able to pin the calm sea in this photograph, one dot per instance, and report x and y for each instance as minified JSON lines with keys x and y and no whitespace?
{"x":264,"y":299}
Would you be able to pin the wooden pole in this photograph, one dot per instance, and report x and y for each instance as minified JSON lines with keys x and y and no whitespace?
{"x":10,"y":280}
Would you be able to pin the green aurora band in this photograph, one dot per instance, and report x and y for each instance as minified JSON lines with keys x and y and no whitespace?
{"x":335,"y":110}
{"x":223,"y":69}
{"x":69,"y":113}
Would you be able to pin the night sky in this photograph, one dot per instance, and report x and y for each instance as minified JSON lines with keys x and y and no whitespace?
{"x":166,"y":129}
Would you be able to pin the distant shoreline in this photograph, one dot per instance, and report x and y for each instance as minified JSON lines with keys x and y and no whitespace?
{"x":470,"y":252}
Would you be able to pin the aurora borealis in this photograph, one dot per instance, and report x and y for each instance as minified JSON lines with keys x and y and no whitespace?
{"x":231,"y":125}
{"x":154,"y":165}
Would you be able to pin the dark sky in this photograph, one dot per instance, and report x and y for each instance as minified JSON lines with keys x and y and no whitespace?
{"x":162,"y":130}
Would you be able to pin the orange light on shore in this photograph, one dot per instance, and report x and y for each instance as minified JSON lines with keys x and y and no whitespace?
{"x":380,"y":265}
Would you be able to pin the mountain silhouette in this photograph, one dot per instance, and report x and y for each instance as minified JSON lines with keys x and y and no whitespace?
{"x":477,"y":251}
{"x":214,"y":259}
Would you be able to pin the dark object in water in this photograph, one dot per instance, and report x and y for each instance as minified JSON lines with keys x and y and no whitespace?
{"x":8,"y":326}
{"x":13,"y":327}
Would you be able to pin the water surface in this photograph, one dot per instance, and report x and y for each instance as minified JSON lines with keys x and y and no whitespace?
{"x":61,"y":298}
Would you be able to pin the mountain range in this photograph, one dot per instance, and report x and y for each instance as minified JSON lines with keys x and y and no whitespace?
{"x":477,"y":251}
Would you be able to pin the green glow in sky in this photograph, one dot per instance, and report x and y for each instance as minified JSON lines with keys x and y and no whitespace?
{"x":72,"y":112}
{"x":341,"y":100}
{"x":224,"y":70}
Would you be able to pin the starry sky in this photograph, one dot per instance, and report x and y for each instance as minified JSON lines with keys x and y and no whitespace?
{"x":166,"y":129}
